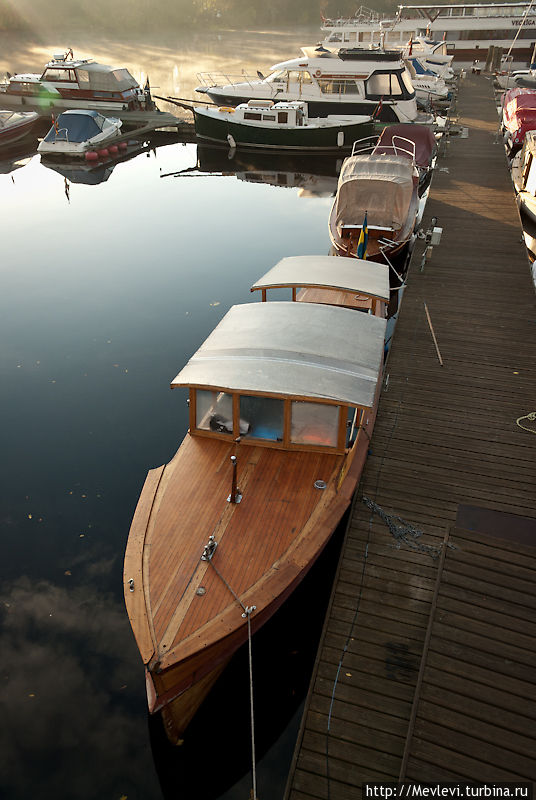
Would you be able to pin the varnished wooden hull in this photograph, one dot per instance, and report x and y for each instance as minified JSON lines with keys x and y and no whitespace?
{"x":267,"y":544}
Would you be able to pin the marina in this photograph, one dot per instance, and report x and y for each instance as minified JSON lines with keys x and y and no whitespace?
{"x":424,"y":667}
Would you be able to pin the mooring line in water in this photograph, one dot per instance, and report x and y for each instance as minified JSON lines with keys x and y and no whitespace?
{"x":246,"y":614}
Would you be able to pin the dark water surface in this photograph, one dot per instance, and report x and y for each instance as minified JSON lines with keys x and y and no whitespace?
{"x":106,"y":291}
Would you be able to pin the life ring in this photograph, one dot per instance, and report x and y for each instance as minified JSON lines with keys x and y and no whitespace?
{"x":226,"y":108}
{"x":318,"y":73}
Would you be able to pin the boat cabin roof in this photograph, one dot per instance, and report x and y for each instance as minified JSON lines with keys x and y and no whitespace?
{"x":301,"y":350}
{"x":369,"y":61}
{"x":356,"y":275}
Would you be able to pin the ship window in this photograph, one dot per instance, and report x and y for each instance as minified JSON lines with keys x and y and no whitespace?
{"x":282,"y":117}
{"x":314,"y":424}
{"x":269,"y":117}
{"x":214,"y":411}
{"x":264,"y":417}
{"x":55,"y":75}
{"x":277,"y":77}
{"x":251,"y":115}
{"x":339,"y":86}
{"x":383,"y":84}
{"x":306,"y":77}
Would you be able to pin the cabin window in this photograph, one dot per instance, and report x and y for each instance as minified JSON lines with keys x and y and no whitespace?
{"x":269,"y":117}
{"x":314,"y":424}
{"x":338,"y":86}
{"x":251,"y":115}
{"x":214,"y":411}
{"x":406,"y":80}
{"x":306,"y":77}
{"x":264,"y":417}
{"x":384,"y":84}
{"x":56,"y":75}
{"x":282,"y":117}
{"x":278,"y":77}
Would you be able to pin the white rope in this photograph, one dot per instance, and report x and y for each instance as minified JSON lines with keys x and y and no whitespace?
{"x":531,"y":417}
{"x":247,"y":614}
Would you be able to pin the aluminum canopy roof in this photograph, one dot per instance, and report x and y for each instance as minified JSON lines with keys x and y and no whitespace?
{"x":347,"y":274}
{"x":292,"y":349}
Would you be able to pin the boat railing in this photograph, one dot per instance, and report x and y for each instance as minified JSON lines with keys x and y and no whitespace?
{"x":61,"y":135}
{"x":210,"y":79}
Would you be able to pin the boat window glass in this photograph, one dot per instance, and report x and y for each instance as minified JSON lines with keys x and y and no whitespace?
{"x":251,"y":115}
{"x":269,"y":117}
{"x":339,"y":86}
{"x":384,"y":84}
{"x":282,"y":117}
{"x":263,"y":416}
{"x":277,"y":77}
{"x":530,"y":185}
{"x":314,"y":423}
{"x":352,"y":425}
{"x":406,"y":81}
{"x":306,"y":77}
{"x":214,"y":411}
{"x":56,"y":75}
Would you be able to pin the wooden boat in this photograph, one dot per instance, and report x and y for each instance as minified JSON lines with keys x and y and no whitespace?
{"x":68,"y":82}
{"x":78,"y":132}
{"x":280,"y":126}
{"x":282,"y":402}
{"x":16,"y":125}
{"x":382,"y":188}
{"x":518,"y":117}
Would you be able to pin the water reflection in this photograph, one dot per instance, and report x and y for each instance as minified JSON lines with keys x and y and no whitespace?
{"x":314,"y":176}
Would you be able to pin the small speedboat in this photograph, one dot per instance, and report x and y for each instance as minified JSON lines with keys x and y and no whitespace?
{"x":281,"y":126}
{"x":79,"y":132}
{"x":15,"y":125}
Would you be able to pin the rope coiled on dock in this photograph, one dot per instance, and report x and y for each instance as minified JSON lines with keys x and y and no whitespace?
{"x":404,"y":533}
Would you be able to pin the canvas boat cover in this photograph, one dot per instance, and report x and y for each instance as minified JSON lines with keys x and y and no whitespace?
{"x":518,"y":104}
{"x":291,"y":349}
{"x":380,"y":186}
{"x":353,"y":275}
{"x":101,"y":78}
{"x":76,"y":126}
{"x":421,"y":135}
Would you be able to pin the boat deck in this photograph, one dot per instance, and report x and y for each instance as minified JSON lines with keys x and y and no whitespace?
{"x":426,"y":665}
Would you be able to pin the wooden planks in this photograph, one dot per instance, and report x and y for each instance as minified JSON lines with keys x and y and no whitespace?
{"x":426,"y":666}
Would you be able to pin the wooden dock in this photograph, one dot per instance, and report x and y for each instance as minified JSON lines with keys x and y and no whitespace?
{"x":426,"y":665}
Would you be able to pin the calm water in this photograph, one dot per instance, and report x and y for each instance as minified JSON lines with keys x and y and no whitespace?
{"x":107,"y":289}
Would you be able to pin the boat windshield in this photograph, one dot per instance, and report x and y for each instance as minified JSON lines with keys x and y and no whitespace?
{"x":277,"y":77}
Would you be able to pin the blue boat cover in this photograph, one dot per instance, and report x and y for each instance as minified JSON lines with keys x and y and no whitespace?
{"x":76,"y":126}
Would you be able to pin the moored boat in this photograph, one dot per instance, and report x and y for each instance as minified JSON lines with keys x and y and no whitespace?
{"x":466,"y":29}
{"x":518,"y":117}
{"x":67,"y":82}
{"x":416,"y":143}
{"x":282,"y":402}
{"x":16,"y":125}
{"x":378,"y":192}
{"x":524,"y":176}
{"x":349,"y":82}
{"x":281,"y":126}
{"x":76,"y":133}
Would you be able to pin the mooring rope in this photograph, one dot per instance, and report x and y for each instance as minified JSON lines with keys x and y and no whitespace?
{"x":531,"y":417}
{"x":246,"y":614}
{"x":405,"y":533}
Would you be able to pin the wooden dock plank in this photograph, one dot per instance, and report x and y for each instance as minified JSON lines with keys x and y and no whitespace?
{"x":446,"y":652}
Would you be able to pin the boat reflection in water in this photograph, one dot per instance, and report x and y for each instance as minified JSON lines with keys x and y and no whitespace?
{"x":314,"y":176}
{"x":211,"y":763}
{"x":91,"y":173}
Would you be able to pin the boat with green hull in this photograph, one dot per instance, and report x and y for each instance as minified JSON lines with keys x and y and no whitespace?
{"x":282,"y":126}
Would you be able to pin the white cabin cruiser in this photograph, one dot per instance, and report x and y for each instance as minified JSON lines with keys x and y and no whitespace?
{"x":350,"y":82}
{"x":67,"y":82}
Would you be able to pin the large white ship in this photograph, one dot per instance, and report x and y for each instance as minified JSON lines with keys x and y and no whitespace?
{"x":465,"y":30}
